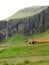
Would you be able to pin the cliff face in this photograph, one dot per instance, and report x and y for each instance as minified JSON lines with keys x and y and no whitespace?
{"x":28,"y":25}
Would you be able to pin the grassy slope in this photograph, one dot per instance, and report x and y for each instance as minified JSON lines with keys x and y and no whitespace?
{"x":21,"y":48}
{"x":16,"y":46}
{"x":19,"y":15}
{"x":29,"y":11}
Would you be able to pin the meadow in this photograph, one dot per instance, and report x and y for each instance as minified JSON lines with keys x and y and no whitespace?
{"x":16,"y":51}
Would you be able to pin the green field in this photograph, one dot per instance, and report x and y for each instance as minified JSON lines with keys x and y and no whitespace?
{"x":17,"y":50}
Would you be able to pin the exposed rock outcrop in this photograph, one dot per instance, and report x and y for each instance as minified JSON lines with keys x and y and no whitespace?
{"x":28,"y":25}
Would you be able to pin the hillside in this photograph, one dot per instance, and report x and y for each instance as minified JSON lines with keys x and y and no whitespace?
{"x":16,"y":47}
{"x":29,"y":11}
{"x":15,"y":50}
{"x":27,"y":21}
{"x":32,"y":9}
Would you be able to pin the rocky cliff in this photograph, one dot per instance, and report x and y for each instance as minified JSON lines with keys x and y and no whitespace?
{"x":37,"y":23}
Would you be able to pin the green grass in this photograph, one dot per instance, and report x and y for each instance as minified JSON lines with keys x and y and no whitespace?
{"x":33,"y":50}
{"x":20,"y":38}
{"x":41,"y":62}
{"x":21,"y":48}
{"x":27,"y":62}
{"x":16,"y":46}
{"x":20,"y":15}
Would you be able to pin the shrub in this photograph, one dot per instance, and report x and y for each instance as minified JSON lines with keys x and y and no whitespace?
{"x":26,"y":61}
{"x":5,"y":63}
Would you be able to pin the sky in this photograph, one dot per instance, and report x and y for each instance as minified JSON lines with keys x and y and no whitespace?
{"x":9,"y":7}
